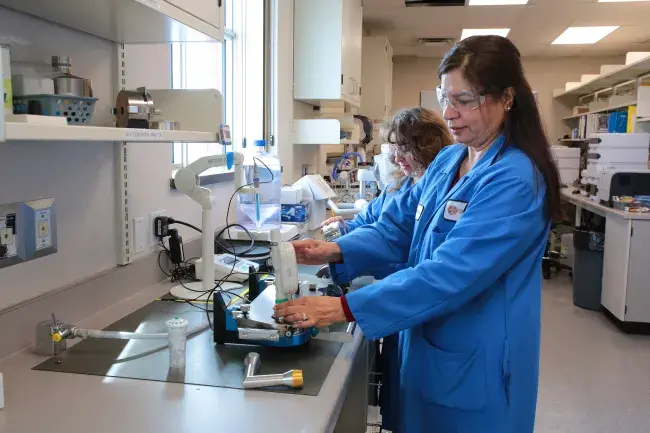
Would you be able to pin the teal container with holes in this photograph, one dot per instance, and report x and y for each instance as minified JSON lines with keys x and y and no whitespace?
{"x":77,"y":110}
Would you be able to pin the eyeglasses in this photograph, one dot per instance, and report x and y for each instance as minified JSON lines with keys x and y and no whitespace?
{"x":463,"y":101}
{"x":396,"y":152}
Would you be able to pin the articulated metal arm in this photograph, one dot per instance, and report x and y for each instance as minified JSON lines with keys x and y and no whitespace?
{"x":187,"y":181}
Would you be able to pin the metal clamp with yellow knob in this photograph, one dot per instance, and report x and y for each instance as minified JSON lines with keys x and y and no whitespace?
{"x":292,"y":378}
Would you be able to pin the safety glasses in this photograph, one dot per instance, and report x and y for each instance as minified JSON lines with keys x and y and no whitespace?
{"x":397,"y":151}
{"x":463,"y":101}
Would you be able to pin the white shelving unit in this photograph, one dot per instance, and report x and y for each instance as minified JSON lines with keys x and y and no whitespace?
{"x":121,"y":22}
{"x":31,"y":132}
{"x":602,"y":110}
{"x":624,"y":74}
{"x":132,"y":21}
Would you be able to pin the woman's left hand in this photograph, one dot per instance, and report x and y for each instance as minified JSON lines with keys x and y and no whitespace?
{"x":311,"y":311}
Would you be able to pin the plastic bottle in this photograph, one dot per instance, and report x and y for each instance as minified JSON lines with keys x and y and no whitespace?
{"x":177,"y":333}
{"x":260,"y":211}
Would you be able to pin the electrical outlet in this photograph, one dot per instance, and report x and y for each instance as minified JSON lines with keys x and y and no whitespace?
{"x":140,"y":235}
{"x":152,"y":216}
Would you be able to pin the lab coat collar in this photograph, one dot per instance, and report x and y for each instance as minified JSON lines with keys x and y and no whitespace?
{"x":489,"y":157}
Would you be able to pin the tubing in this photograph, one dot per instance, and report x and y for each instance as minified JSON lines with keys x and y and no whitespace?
{"x":121,"y":335}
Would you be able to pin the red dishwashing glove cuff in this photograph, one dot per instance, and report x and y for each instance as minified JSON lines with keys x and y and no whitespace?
{"x":346,"y":310}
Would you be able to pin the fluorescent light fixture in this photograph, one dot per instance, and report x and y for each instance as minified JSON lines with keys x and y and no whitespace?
{"x":483,"y":32}
{"x":496,"y":2}
{"x":621,"y":1}
{"x":583,"y":35}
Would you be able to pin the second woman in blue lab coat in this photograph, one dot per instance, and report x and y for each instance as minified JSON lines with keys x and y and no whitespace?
{"x":416,"y":135}
{"x":473,"y":231}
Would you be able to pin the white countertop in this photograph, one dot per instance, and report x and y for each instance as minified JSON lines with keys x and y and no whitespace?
{"x":39,"y":401}
{"x":599,"y":209}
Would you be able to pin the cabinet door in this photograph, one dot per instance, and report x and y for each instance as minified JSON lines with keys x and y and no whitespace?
{"x":638,"y":276}
{"x":615,"y":265}
{"x":206,"y":10}
{"x":389,"y":82}
{"x":356,"y":46}
{"x":346,"y":50}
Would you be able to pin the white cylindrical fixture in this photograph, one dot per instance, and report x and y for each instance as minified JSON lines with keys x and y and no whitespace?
{"x":177,"y":331}
{"x":2,"y":393}
{"x":207,"y":250}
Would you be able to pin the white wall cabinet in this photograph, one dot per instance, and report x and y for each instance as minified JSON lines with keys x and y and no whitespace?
{"x":377,"y":76}
{"x":327,"y":51}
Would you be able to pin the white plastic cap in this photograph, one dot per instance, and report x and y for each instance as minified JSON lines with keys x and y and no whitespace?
{"x":176,"y":323}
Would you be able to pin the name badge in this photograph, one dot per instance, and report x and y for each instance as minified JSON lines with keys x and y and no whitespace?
{"x":454,"y":209}
{"x":418,"y":213}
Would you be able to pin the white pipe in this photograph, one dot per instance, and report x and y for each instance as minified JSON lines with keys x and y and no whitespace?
{"x":121,"y":335}
{"x":207,"y":250}
{"x":340,"y":210}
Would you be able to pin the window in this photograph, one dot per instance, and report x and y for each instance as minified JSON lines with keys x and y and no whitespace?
{"x":235,"y":68}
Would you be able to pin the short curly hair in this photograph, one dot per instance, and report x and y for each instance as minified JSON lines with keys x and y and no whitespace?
{"x":420,"y":132}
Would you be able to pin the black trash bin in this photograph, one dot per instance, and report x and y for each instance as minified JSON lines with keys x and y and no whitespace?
{"x":588,"y":268}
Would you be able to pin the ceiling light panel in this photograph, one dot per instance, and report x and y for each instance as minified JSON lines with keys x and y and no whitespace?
{"x":496,"y":2}
{"x":621,"y":1}
{"x":483,"y":32}
{"x":583,"y":35}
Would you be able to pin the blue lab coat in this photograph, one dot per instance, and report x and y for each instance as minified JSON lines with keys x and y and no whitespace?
{"x":387,"y":362}
{"x":371,"y":215}
{"x":468,"y":306}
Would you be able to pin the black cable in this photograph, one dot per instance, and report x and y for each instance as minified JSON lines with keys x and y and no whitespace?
{"x":160,"y":265}
{"x":183,"y":223}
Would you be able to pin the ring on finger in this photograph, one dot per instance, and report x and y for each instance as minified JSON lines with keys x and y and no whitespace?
{"x":304,"y":317}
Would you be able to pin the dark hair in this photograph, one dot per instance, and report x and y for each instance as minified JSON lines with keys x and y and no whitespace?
{"x":420,"y":132}
{"x":491,"y":65}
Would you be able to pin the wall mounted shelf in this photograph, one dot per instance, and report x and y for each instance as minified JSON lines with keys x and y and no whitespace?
{"x":123,"y":21}
{"x":31,"y":132}
{"x":619,"y":76}
{"x":602,"y":110}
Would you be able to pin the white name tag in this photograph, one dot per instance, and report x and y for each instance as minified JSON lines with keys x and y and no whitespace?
{"x":454,"y":209}
{"x":418,"y":213}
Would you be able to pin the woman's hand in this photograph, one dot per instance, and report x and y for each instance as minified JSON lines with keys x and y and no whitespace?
{"x":311,"y":311}
{"x":312,"y":252}
{"x":333,"y":220}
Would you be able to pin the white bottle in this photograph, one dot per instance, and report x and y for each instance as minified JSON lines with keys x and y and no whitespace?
{"x":177,"y":332}
{"x":2,"y":393}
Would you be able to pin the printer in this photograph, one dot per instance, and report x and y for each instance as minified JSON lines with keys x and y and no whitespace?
{"x":612,"y":183}
{"x":609,"y":154}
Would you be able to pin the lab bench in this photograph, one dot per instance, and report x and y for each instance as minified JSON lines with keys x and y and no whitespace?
{"x":625,"y":292}
{"x":63,"y":403}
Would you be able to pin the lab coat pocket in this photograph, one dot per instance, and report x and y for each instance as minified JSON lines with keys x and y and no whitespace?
{"x":455,"y":379}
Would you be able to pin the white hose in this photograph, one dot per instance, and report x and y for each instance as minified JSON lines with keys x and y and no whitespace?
{"x":121,"y":335}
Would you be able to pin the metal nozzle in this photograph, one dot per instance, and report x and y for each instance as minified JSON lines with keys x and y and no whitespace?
{"x":291,"y":379}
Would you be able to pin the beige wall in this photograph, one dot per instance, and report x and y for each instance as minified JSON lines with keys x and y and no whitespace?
{"x":411,"y":75}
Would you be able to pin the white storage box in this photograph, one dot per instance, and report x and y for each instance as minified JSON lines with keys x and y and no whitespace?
{"x":290,"y":195}
{"x":569,"y":175}
{"x":607,"y":149}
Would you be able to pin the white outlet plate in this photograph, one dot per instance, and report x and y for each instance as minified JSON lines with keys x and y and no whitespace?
{"x":152,"y":216}
{"x":140,"y":235}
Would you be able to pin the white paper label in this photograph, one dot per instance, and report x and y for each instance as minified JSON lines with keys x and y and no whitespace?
{"x":43,"y":229}
{"x":137,"y":133}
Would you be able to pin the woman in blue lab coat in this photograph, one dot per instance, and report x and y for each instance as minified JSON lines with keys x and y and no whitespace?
{"x":473,"y":231}
{"x":416,"y":136}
